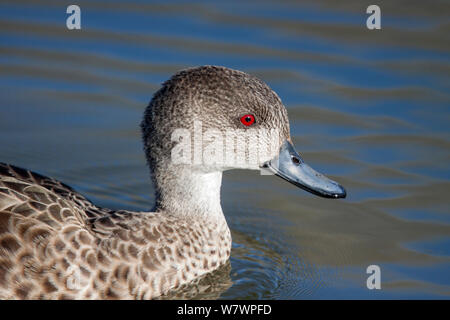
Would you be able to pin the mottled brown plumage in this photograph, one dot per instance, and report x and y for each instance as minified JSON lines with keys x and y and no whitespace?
{"x":46,"y":228}
{"x":55,"y":244}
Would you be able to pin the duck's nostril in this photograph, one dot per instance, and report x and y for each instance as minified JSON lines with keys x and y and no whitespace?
{"x":296,"y":160}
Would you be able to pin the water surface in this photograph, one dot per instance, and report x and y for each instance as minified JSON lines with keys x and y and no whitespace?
{"x":368,"y":108}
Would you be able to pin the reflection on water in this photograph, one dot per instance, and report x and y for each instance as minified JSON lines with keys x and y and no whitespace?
{"x":369,"y":108}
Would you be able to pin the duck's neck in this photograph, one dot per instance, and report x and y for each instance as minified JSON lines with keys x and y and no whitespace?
{"x":189,"y":193}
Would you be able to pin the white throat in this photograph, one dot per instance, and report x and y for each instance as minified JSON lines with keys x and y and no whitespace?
{"x":186,"y":192}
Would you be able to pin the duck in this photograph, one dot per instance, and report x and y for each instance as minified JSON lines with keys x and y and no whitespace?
{"x":56,"y":244}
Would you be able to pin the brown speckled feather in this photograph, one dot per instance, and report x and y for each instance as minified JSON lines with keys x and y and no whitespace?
{"x":55,"y":244}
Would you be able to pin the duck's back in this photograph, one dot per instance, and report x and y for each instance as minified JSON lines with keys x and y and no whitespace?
{"x":41,"y":229}
{"x":55,"y":244}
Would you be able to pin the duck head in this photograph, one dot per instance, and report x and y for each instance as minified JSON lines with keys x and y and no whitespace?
{"x":209,"y":119}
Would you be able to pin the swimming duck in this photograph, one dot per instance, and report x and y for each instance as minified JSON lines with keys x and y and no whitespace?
{"x":56,"y":244}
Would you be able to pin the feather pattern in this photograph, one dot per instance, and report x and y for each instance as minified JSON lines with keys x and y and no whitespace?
{"x":55,"y":244}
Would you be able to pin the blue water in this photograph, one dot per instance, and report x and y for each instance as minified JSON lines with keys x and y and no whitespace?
{"x":370,"y":108}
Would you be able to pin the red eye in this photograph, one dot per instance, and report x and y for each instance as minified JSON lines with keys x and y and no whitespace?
{"x":248,"y":120}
